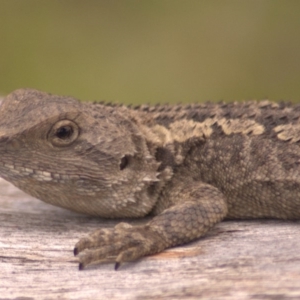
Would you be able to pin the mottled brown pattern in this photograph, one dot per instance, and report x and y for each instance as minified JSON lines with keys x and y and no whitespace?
{"x":188,"y":166}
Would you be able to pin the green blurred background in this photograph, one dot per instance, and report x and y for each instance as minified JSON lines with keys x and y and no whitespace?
{"x":138,"y":51}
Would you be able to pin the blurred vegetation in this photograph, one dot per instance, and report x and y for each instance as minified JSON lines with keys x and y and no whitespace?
{"x":136,"y":51}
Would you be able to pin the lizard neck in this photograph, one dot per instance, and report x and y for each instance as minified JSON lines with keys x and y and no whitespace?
{"x":169,"y":144}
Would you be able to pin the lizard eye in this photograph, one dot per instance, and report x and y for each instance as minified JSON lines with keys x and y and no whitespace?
{"x":63,"y":133}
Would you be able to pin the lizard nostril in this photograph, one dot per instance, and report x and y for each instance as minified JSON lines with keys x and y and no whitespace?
{"x":13,"y":144}
{"x":10,"y":143}
{"x":3,"y":139}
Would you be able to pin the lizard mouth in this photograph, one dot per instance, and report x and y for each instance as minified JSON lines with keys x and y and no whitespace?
{"x":12,"y":171}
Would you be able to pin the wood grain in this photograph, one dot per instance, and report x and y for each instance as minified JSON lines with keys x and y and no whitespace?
{"x":237,"y":260}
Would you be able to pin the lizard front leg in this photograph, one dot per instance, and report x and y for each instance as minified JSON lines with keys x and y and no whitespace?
{"x":194,"y":211}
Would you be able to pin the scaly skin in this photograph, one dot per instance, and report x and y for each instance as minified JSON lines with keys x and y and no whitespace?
{"x":189,"y":167}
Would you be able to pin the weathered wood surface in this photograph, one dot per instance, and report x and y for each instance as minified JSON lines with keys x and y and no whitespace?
{"x":237,"y":260}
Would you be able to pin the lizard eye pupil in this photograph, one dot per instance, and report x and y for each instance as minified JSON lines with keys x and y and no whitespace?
{"x":124,"y":162}
{"x":64,"y":132}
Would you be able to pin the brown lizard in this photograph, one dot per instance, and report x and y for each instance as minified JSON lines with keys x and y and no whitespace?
{"x":188,"y":166}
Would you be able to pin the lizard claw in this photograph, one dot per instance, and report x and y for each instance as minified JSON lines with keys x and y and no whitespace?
{"x":75,"y":251}
{"x":117,"y":265}
{"x":119,"y":244}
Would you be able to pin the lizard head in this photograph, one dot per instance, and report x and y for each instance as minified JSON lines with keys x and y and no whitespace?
{"x":89,"y":158}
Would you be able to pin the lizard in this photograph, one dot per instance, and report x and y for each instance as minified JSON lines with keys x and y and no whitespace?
{"x":188,"y":167}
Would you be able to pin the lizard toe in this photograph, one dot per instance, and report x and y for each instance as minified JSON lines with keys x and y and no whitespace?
{"x":120,"y":244}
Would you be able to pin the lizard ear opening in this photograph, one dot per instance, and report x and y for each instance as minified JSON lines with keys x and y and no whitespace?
{"x":63,"y":133}
{"x":124,"y":162}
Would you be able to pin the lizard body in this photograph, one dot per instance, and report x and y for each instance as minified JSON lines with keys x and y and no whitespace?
{"x":189,"y":166}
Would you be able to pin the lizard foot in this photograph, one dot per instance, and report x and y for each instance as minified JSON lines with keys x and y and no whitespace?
{"x":120,"y":244}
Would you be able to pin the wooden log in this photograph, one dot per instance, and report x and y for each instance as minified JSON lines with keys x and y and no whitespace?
{"x":237,"y":260}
